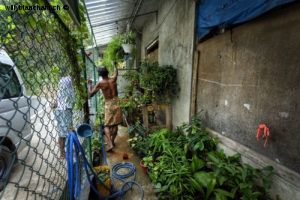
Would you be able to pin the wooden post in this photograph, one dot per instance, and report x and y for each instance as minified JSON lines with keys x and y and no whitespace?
{"x":195,"y":83}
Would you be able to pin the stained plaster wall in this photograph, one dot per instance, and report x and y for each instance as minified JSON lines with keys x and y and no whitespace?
{"x":174,"y":27}
{"x":244,"y":78}
{"x":251,"y":76}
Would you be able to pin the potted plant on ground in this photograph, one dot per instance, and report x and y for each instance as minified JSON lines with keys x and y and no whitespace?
{"x":147,"y":163}
{"x":139,"y":144}
{"x":103,"y":175}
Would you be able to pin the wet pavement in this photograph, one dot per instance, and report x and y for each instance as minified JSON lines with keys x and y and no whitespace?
{"x":117,"y":157}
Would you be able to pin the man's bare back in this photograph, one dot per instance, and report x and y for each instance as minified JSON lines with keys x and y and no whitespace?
{"x":113,"y":112}
{"x":108,"y":87}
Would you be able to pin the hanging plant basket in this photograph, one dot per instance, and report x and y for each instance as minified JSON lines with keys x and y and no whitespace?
{"x":127,"y":48}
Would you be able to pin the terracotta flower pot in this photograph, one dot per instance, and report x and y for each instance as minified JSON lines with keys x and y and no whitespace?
{"x":145,"y":168}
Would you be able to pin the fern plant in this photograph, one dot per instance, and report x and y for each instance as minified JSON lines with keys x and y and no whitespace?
{"x":112,"y":53}
{"x":128,"y":38}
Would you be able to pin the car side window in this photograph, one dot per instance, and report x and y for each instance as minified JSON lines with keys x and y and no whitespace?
{"x":9,"y":83}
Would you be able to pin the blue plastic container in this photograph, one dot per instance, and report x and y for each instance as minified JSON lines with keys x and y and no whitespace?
{"x":84,"y":130}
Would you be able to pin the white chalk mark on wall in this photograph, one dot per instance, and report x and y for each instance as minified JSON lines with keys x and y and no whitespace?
{"x":226,"y":102}
{"x":225,"y":85}
{"x":284,"y":114}
{"x":246,"y":105}
{"x":221,"y":84}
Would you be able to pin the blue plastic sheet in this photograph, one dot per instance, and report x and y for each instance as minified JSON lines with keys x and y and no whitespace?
{"x":222,"y":14}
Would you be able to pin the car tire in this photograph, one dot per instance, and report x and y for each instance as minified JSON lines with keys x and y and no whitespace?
{"x":6,"y":162}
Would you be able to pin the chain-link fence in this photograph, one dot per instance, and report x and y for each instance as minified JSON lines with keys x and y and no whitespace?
{"x":36,"y":51}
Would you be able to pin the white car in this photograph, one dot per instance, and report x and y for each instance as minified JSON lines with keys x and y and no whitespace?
{"x":15,"y":126}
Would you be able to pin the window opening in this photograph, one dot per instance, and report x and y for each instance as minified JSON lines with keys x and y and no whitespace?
{"x":152,"y":51}
{"x":9,"y":83}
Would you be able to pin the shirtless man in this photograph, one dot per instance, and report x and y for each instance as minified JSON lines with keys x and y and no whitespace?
{"x":113,"y":112}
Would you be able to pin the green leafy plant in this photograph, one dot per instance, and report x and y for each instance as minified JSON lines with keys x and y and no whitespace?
{"x":161,"y":81}
{"x":139,"y":145}
{"x":148,"y":161}
{"x":100,"y":109}
{"x":96,"y":141}
{"x":199,"y":140}
{"x":113,"y":53}
{"x":205,"y":182}
{"x":132,"y":101}
{"x":103,"y":176}
{"x":34,"y":51}
{"x":138,"y":129}
{"x":225,"y":177}
{"x":171,"y":172}
{"x":187,"y":165}
{"x":197,"y":163}
{"x":131,"y":109}
{"x":159,"y":142}
{"x":103,"y":173}
{"x":128,"y":38}
{"x":150,"y":83}
{"x":138,"y":140}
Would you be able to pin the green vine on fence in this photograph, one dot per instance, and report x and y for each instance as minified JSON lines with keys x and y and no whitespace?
{"x":41,"y":42}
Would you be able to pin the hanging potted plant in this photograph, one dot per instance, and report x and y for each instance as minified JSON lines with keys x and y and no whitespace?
{"x":159,"y":82}
{"x":128,"y":41}
{"x":113,"y":52}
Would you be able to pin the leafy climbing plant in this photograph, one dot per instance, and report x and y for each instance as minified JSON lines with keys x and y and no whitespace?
{"x":26,"y":34}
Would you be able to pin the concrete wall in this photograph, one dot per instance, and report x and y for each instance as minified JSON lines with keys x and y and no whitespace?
{"x":285,"y":183}
{"x":174,"y":26}
{"x":251,"y":76}
{"x":242,"y":78}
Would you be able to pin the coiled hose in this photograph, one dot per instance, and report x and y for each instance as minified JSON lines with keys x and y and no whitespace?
{"x":73,"y":144}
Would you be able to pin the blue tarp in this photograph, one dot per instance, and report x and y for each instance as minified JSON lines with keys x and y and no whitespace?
{"x":225,"y":13}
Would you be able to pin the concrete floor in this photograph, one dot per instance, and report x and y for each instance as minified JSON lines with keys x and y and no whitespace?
{"x":116,"y":156}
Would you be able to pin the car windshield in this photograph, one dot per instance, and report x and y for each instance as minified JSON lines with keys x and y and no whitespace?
{"x":9,"y":83}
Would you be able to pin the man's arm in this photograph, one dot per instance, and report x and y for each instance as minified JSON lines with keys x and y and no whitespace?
{"x":115,"y":70}
{"x":91,"y":91}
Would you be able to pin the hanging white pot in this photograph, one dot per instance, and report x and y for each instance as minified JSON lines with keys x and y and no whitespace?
{"x":127,"y":48}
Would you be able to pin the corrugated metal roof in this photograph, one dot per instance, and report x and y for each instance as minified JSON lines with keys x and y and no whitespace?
{"x":108,"y":18}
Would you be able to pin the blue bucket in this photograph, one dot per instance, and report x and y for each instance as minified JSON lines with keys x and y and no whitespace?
{"x":84,"y":130}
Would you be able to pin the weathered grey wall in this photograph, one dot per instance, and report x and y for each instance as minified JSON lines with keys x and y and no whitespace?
{"x":285,"y":183}
{"x":175,"y":28}
{"x":245,"y":78}
{"x":251,"y":76}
